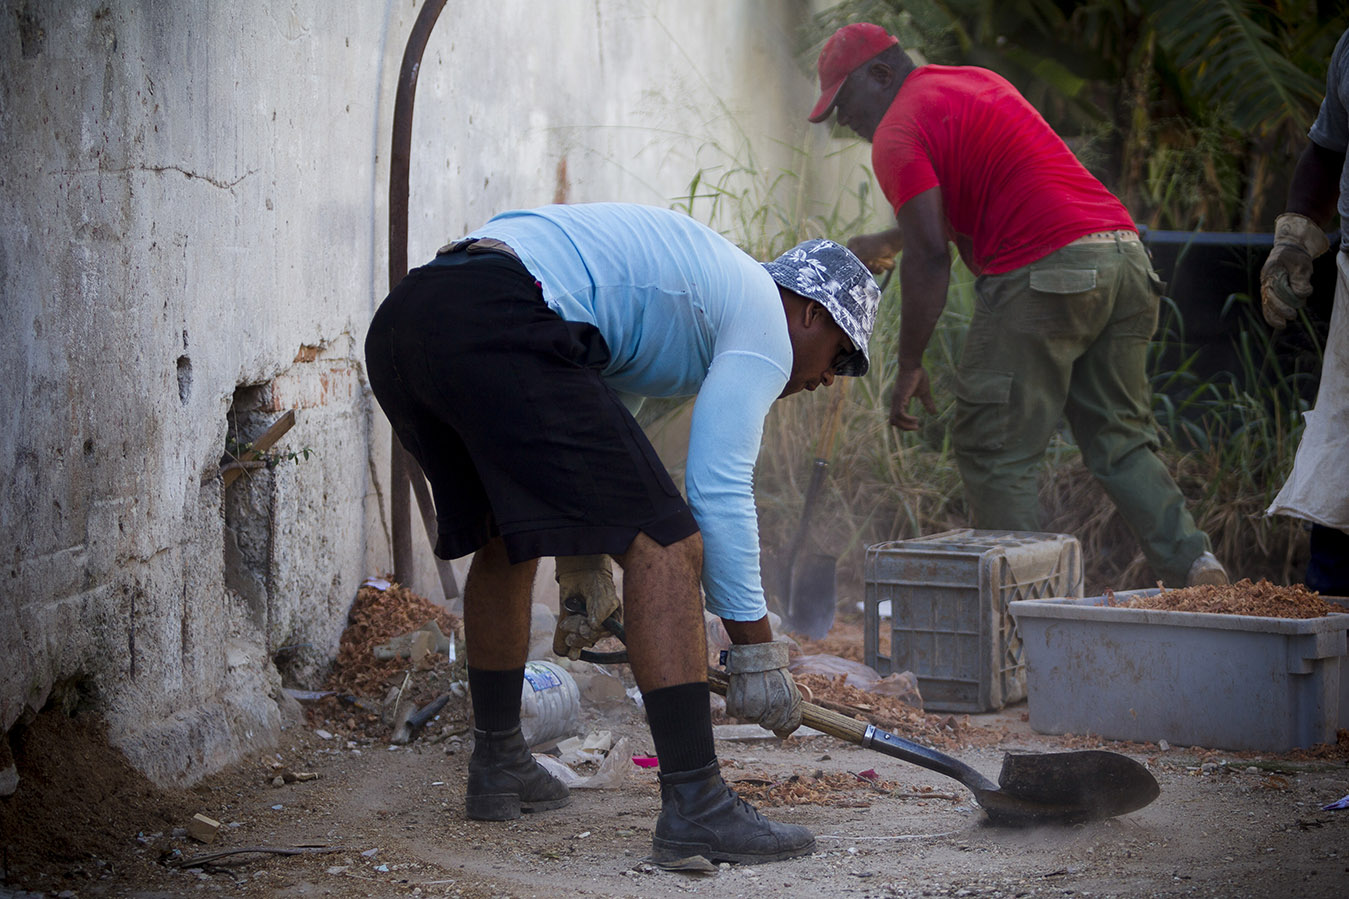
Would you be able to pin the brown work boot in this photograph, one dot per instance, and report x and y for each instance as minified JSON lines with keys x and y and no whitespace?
{"x":701,"y":815}
{"x":504,"y":780}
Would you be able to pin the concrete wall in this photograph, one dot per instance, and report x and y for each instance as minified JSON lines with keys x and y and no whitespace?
{"x":192,"y":241}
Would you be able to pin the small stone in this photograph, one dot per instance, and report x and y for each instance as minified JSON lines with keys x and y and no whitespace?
{"x":323,"y":734}
{"x":203,"y":829}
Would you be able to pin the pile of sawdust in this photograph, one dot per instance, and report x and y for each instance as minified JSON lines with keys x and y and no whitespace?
{"x":1263,"y":599}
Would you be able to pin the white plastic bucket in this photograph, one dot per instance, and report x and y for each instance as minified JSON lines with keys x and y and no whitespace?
{"x":550,"y":704}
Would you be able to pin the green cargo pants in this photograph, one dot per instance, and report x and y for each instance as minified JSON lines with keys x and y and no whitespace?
{"x":1067,"y":336}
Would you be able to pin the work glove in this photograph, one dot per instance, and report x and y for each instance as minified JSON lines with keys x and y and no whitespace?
{"x":874,"y":251}
{"x":585,"y":597}
{"x":1286,"y":279}
{"x":761,"y":688}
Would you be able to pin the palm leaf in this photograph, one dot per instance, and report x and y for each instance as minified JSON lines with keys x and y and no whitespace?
{"x":1233,"y":61}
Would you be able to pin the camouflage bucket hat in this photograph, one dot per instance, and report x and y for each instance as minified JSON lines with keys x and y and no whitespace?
{"x":832,"y":276}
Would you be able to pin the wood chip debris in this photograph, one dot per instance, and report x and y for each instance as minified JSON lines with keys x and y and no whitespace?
{"x":839,"y":789}
{"x":359,"y":680}
{"x":936,"y":729}
{"x":1261,"y":599}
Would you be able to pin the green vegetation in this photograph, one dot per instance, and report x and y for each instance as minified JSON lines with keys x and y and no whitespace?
{"x":1194,"y":115}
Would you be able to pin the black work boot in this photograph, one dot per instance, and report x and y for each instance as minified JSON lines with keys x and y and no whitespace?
{"x":504,"y":779}
{"x":701,"y":815}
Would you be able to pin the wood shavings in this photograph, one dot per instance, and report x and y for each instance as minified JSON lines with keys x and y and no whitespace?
{"x":839,"y":790}
{"x":376,"y":617}
{"x":1261,"y":599}
{"x":938,"y":730}
{"x":360,"y":680}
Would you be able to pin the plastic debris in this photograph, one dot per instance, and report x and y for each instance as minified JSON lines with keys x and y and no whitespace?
{"x":307,"y":695}
{"x":694,"y":864}
{"x":417,"y":645}
{"x":613,"y":768}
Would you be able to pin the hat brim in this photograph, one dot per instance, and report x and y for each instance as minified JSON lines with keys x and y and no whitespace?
{"x":825,"y":106}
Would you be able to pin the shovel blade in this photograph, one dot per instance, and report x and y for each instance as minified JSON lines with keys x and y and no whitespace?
{"x":1068,"y":788}
{"x":812,"y":597}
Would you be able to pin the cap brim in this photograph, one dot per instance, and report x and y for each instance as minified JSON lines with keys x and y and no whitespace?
{"x":825,"y":106}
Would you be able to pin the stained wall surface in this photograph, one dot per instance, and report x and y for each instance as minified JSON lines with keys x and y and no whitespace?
{"x":192,"y":241}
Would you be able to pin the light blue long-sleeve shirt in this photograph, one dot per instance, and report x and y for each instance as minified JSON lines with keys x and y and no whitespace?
{"x":684,"y":311}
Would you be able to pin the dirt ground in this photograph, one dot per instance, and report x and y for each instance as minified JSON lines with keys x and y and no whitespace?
{"x":381,"y":820}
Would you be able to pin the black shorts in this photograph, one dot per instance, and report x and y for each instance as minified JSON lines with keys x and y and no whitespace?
{"x":501,"y":402}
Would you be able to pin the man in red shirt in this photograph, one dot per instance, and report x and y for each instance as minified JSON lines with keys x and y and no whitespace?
{"x":1066,"y":295}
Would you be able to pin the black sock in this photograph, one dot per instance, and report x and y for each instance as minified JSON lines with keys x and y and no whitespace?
{"x":496,"y":698}
{"x":681,"y":726}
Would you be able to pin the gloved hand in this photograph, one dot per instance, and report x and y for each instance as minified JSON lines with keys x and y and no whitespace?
{"x":761,"y":687}
{"x":590,"y":580}
{"x":1285,"y":280}
{"x":876,"y":251}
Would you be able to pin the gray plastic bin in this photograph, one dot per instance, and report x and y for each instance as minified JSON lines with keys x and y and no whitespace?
{"x":948,"y":596}
{"x":1190,"y":678}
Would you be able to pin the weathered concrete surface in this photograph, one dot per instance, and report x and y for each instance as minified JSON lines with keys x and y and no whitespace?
{"x":192,"y":241}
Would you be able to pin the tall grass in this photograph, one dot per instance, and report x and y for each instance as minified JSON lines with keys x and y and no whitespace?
{"x":1228,"y":440}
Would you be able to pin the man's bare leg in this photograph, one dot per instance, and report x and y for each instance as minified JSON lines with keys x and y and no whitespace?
{"x":497,"y":609}
{"x":663,"y":612}
{"x":667,"y":643}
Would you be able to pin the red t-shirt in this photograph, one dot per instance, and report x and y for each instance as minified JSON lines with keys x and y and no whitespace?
{"x":1009,"y":183}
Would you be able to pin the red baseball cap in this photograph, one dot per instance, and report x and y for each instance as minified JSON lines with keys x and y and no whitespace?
{"x":845,"y":50}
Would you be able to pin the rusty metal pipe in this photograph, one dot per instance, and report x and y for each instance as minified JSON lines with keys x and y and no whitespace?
{"x":402,"y":467}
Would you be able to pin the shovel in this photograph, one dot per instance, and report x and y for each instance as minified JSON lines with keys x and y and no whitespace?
{"x":809,"y":597}
{"x":1032,"y":788}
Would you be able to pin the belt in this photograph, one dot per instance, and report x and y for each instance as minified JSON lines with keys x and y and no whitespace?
{"x":478,"y":245}
{"x":1108,"y":236}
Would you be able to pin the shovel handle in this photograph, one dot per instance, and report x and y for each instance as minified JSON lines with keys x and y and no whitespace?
{"x":868,"y":736}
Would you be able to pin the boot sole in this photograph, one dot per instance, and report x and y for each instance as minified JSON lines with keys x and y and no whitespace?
{"x":507,"y":806}
{"x":668,"y":851}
